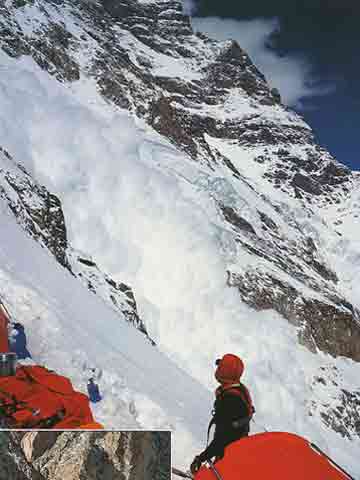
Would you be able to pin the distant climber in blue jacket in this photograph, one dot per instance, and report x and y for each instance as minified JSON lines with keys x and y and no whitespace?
{"x":17,"y":341}
{"x":93,"y":391}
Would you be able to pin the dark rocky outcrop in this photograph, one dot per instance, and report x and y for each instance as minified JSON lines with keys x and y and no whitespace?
{"x":307,"y":184}
{"x":13,"y":464}
{"x":327,"y":326}
{"x":37,"y":210}
{"x":236,"y":220}
{"x":117,"y":294}
{"x":344,"y":417}
{"x":338,"y":407}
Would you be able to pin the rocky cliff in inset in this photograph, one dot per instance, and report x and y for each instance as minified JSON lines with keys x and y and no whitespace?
{"x":85,"y":455}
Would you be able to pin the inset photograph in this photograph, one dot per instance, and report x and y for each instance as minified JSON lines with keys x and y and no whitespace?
{"x":75,"y":455}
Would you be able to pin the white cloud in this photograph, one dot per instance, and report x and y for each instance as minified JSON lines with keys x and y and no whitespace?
{"x":292,"y":75}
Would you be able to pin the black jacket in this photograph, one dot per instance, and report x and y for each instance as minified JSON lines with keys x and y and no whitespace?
{"x":232,"y":415}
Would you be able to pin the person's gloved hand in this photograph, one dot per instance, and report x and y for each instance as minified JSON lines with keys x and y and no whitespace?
{"x":196,"y":464}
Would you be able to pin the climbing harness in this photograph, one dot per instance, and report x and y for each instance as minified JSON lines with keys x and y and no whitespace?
{"x":238,"y":423}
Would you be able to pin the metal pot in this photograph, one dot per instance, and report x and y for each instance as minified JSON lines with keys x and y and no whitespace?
{"x":8,"y":364}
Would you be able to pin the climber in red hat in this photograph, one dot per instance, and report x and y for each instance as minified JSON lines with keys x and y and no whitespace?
{"x":233,"y":409}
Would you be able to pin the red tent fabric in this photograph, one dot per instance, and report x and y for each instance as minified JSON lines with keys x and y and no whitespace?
{"x":272,"y":456}
{"x":39,"y":395}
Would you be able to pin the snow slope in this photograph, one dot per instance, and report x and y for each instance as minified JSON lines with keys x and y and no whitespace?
{"x":148,"y":214}
{"x":71,"y":330}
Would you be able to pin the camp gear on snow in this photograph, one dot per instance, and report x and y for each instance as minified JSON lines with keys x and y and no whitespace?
{"x":35,"y":397}
{"x":93,"y":391}
{"x":17,"y":341}
{"x":7,"y":364}
{"x":229,"y":369}
{"x":274,"y":456}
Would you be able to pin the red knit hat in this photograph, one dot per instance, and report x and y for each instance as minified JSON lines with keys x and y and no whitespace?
{"x":230,"y":368}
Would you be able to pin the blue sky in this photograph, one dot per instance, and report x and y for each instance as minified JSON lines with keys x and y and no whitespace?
{"x":309,"y":49}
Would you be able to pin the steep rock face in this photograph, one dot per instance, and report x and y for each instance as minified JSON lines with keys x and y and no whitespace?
{"x":13,"y":463}
{"x":119,"y":295}
{"x":40,"y":214}
{"x":339,"y":408}
{"x":212,"y":103}
{"x":37,"y":210}
{"x":89,"y":455}
{"x":329,"y":327}
{"x":34,"y":445}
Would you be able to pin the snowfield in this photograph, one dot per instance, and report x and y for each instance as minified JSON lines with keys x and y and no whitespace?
{"x":147,"y":214}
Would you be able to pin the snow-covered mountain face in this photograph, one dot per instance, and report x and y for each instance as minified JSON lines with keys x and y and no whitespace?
{"x":40,"y":214}
{"x":182,"y":173}
{"x":211,"y":102}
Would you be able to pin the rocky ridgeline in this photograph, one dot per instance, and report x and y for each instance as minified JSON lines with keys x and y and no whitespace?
{"x":79,"y":455}
{"x":209,"y":99}
{"x":40,"y":214}
{"x":133,"y":48}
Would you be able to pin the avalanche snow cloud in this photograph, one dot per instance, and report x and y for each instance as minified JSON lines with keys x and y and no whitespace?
{"x":71,"y":331}
{"x":147,"y":213}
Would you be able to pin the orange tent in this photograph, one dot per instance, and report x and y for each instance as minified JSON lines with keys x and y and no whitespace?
{"x":272,"y":456}
{"x":38,"y":398}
